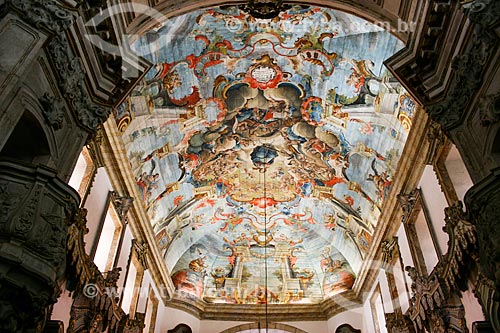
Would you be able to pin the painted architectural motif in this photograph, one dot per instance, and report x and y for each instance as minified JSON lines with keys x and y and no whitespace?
{"x":260,"y":146}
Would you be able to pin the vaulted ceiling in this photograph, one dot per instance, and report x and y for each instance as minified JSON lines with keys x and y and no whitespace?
{"x":264,"y":149}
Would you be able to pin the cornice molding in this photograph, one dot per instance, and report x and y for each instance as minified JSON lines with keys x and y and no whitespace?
{"x":44,"y":14}
{"x":261,"y":325}
{"x":407,"y":177}
{"x":113,"y":152}
{"x":372,"y":11}
{"x":435,"y":294}
{"x":275,"y":312}
{"x":468,"y":71}
{"x":423,"y":65}
{"x":93,"y":76}
{"x":73,"y":86}
{"x":449,"y":33}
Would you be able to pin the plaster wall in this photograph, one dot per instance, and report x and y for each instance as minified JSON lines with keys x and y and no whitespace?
{"x":96,"y":206}
{"x":355,"y":318}
{"x":62,"y":308}
{"x":385,"y":292}
{"x":426,"y":242}
{"x":368,"y":322}
{"x":78,"y":173}
{"x":435,"y":201}
{"x":458,"y":173}
{"x":128,"y":290}
{"x":401,"y":278}
{"x":473,"y":311}
{"x":404,"y":249}
{"x":144,"y":292}
{"x":123,"y":257}
{"x":310,"y":326}
{"x":215,"y":326}
{"x":168,"y":318}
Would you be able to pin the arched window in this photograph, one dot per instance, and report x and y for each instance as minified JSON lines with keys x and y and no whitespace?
{"x":181,"y":328}
{"x":271,"y":328}
{"x":346,"y":328}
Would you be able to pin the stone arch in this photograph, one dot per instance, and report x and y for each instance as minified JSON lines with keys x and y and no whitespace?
{"x":346,"y":328}
{"x":250,"y":326}
{"x":181,"y":328}
{"x":28,"y":141}
{"x":375,"y":14}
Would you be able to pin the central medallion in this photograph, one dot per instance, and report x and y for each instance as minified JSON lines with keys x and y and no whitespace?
{"x":263,"y":74}
{"x":263,"y":155}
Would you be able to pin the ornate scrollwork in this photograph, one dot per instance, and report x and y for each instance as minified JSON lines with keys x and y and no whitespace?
{"x":141,"y":250}
{"x":489,"y":110}
{"x":408,"y":202}
{"x":398,"y":323}
{"x":53,"y":111}
{"x":112,"y":277}
{"x":35,"y":208}
{"x":422,"y":66}
{"x":487,"y":294}
{"x":35,"y":211}
{"x":85,"y":271}
{"x":265,"y":9}
{"x":389,"y":250}
{"x":135,"y":325}
{"x":72,"y":84}
{"x":45,"y":14}
{"x":468,"y":76}
{"x":436,"y":139}
{"x":95,"y":303}
{"x":433,"y":302}
{"x":122,"y":205}
{"x":483,"y":206}
{"x":93,"y":145}
{"x":484,"y":12}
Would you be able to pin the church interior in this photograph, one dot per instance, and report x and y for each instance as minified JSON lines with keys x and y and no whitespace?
{"x":254,"y":166}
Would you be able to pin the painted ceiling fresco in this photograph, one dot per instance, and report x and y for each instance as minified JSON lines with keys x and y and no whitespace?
{"x":265,"y":148}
